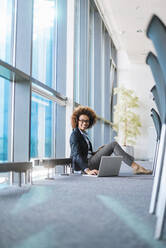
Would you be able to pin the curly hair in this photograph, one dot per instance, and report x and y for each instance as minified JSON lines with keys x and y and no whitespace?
{"x":81,"y":110}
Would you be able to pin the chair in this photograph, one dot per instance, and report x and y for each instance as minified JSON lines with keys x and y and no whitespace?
{"x":159,"y":160}
{"x":160,"y":84}
{"x":159,"y":93}
{"x":157,"y":123}
{"x":156,"y":98}
{"x":156,"y":31}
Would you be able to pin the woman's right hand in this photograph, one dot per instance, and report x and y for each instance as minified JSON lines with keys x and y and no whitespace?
{"x":93,"y":153}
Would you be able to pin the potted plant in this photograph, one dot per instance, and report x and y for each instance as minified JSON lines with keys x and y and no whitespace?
{"x":126,"y":122}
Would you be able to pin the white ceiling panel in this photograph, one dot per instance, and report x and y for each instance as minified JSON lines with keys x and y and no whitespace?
{"x":127,"y":22}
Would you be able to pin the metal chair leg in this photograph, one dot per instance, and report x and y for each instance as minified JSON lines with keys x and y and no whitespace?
{"x":30,"y":177}
{"x":11,"y":178}
{"x":26,"y":177}
{"x":19,"y":179}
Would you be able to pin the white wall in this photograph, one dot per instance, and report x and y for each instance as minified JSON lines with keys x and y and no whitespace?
{"x":138,"y":77}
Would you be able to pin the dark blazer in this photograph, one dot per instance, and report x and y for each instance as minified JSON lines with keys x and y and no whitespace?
{"x":79,"y":150}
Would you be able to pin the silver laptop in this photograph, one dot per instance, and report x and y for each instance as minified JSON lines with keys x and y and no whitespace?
{"x":109,"y":166}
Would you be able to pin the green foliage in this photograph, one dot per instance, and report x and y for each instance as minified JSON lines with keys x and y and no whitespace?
{"x":125,"y":120}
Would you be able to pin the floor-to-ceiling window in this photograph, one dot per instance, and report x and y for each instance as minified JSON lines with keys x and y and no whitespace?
{"x":113,"y":83}
{"x":44,"y":41}
{"x":81,"y":52}
{"x":91,"y":58}
{"x":44,"y":70}
{"x":113,"y":77}
{"x":42,"y":128}
{"x":5,"y":119}
{"x":6,"y":49}
{"x":6,"y":29}
{"x":77,"y":52}
{"x":39,"y":43}
{"x":93,"y":53}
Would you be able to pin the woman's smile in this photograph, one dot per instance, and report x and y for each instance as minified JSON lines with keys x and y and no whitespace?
{"x":83,"y":122}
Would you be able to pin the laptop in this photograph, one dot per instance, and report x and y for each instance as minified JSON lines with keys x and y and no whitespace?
{"x":109,"y":166}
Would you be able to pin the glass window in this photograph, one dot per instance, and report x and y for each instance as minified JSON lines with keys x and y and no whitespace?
{"x":44,"y":41}
{"x":77,"y":52}
{"x":41,"y":127}
{"x":91,"y":58}
{"x":6,"y":31}
{"x":113,"y":85}
{"x":6,"y":26}
{"x":5,"y":121}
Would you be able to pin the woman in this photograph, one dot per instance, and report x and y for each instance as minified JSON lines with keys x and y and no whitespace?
{"x":84,"y":159}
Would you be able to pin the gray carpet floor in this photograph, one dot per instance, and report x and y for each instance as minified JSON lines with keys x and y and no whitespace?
{"x":79,"y":212}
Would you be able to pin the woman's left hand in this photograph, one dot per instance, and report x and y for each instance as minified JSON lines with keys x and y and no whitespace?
{"x":92,"y":172}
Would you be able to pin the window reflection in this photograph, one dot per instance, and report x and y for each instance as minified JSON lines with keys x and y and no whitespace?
{"x":6,"y":7}
{"x":5,"y":114}
{"x":44,"y":41}
{"x":6,"y":24}
{"x":77,"y":52}
{"x":41,"y":127}
{"x":91,"y":58}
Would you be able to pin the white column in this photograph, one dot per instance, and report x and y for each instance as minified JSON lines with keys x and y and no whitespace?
{"x":70,"y":70}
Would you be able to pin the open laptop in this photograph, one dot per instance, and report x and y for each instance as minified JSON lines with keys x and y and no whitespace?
{"x":109,"y":166}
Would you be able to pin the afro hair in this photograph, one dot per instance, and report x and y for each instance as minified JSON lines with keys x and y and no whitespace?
{"x":81,"y":110}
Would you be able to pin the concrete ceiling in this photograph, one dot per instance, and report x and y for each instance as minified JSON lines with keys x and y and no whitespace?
{"x":127,"y":22}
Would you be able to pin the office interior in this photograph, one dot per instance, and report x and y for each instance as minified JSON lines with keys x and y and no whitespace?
{"x":54,"y":56}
